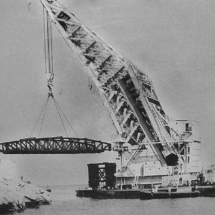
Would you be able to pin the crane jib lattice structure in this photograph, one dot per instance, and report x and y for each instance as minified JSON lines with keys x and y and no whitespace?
{"x":126,"y":91}
{"x":54,"y":145}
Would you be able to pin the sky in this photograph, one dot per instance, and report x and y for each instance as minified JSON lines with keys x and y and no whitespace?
{"x":172,"y":41}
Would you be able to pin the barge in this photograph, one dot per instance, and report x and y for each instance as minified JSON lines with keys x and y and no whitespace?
{"x":102,"y":185}
{"x":145,"y":194}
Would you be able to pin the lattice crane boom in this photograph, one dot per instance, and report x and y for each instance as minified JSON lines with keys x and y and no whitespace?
{"x":126,"y":91}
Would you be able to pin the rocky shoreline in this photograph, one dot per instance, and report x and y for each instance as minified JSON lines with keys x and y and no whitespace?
{"x":17,"y":195}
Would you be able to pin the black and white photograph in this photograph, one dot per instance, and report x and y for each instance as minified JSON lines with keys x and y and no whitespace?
{"x":107,"y":107}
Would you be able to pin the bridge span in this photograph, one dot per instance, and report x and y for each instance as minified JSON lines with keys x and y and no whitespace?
{"x":54,"y":145}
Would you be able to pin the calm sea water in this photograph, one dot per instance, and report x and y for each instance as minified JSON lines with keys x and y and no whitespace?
{"x":65,"y":202}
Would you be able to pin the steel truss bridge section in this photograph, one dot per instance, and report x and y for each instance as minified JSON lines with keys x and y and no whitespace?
{"x":126,"y":91}
{"x":54,"y":145}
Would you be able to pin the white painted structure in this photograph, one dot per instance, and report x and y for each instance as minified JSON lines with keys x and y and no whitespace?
{"x":147,"y":169}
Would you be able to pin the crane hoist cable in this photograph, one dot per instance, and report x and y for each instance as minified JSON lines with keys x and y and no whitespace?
{"x":44,"y":107}
{"x":43,"y":117}
{"x":48,"y":50}
{"x":60,"y":114}
{"x":57,"y":105}
{"x":49,"y":74}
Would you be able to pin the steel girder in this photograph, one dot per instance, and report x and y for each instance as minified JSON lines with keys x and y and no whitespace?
{"x":54,"y":145}
{"x":126,"y":91}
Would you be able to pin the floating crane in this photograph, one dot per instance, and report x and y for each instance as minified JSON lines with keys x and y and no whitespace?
{"x":151,"y":144}
{"x":126,"y":91}
{"x":129,"y":96}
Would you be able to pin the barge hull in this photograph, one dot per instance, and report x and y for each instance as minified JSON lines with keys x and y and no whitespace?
{"x":201,"y":191}
{"x":166,"y":195}
{"x":109,"y":194}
